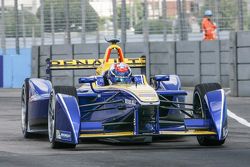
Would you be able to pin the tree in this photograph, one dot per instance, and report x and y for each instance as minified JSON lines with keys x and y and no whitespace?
{"x":228,"y":12}
{"x":137,"y":14}
{"x":155,"y":27}
{"x":30,"y":20}
{"x":75,"y":16}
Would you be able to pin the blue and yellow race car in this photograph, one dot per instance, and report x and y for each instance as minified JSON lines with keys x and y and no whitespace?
{"x":118,"y":105}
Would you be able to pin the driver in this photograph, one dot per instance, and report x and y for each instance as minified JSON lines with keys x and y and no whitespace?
{"x":119,"y":73}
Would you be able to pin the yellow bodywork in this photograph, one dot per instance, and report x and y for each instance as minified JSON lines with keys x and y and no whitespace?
{"x":101,"y":65}
{"x":144,"y":93}
{"x":94,"y":64}
{"x":130,"y":133}
{"x":188,"y":132}
{"x":112,"y":134}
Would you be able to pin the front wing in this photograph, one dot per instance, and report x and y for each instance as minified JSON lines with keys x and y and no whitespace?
{"x":70,"y":129}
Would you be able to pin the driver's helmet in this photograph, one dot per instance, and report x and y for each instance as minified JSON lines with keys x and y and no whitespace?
{"x":119,"y":73}
{"x":208,"y":13}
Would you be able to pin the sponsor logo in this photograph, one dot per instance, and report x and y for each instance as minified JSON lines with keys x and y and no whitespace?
{"x":63,"y":135}
{"x":92,"y":63}
{"x":58,"y":134}
{"x":130,"y":102}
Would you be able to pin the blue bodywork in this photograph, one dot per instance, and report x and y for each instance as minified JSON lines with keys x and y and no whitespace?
{"x":39,"y":94}
{"x":117,"y":111}
{"x":216,"y":101}
{"x":67,"y":119}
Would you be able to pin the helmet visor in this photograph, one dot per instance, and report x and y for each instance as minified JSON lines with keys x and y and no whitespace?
{"x":122,"y":80}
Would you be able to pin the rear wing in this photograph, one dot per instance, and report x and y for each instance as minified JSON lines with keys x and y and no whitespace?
{"x":78,"y":64}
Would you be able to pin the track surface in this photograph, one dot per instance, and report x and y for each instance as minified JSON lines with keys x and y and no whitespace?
{"x":17,"y":151}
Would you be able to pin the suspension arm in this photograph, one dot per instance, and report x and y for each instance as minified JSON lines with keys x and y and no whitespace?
{"x":183,"y":111}
{"x":102,"y":103}
{"x":174,"y":102}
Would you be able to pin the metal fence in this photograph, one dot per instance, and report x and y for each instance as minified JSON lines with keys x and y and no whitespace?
{"x":25,"y":23}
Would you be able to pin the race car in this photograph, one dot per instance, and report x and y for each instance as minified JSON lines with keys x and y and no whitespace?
{"x":120,"y":106}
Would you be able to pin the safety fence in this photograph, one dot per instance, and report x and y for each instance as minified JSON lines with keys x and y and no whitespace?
{"x":45,"y":22}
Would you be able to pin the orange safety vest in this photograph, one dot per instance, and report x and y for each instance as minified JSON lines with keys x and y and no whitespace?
{"x":209,"y":29}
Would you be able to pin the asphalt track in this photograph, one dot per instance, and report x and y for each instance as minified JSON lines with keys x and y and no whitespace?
{"x":17,"y":151}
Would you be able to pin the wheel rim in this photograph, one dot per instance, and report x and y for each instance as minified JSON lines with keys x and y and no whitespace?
{"x":51,"y":118}
{"x":199,"y":106}
{"x":24,"y":111}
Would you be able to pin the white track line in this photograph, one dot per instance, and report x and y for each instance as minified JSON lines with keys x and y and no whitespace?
{"x":237,"y":118}
{"x":228,"y":92}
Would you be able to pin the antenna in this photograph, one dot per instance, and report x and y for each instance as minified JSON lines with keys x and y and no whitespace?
{"x":112,"y":41}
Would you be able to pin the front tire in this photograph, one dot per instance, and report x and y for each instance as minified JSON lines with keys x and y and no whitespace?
{"x":200,"y":110}
{"x":52,"y":116}
{"x":24,"y":107}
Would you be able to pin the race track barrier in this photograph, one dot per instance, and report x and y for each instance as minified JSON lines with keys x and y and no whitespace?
{"x":1,"y":71}
{"x":240,"y":66}
{"x":226,"y":62}
{"x":15,"y":68}
{"x":194,"y":61}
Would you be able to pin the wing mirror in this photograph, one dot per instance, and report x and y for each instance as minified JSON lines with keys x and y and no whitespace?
{"x":87,"y":80}
{"x":159,"y":78}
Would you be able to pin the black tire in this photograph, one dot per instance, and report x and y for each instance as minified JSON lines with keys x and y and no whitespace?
{"x":200,"y":110}
{"x":69,"y":90}
{"x":24,"y":107}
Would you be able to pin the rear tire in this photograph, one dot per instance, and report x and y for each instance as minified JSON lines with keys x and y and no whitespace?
{"x":69,"y":90}
{"x":24,"y":106}
{"x":200,"y":110}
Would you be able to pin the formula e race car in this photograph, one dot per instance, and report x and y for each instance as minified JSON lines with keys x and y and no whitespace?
{"x":117,"y":105}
